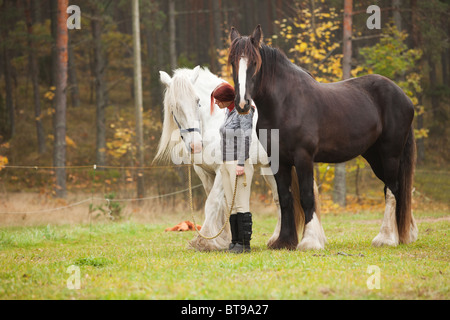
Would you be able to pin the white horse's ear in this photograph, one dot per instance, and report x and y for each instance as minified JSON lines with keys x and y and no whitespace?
{"x":195,"y":74}
{"x":165,"y":78}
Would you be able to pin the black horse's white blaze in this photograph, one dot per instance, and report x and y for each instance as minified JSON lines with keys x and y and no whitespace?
{"x":243,"y":63}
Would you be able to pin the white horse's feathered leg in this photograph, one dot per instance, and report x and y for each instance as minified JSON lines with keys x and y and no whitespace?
{"x":270,"y":180}
{"x":215,"y":217}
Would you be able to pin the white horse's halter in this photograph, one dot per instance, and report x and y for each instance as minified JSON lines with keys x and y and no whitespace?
{"x":188,"y":129}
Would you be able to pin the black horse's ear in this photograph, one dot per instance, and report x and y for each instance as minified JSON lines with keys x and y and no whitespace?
{"x":234,"y":34}
{"x":257,"y":36}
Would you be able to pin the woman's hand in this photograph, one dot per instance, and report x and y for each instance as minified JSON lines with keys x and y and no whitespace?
{"x":239,"y":170}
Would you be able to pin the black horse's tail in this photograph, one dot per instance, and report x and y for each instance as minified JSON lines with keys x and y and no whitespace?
{"x":299,"y":214}
{"x":403,"y":209}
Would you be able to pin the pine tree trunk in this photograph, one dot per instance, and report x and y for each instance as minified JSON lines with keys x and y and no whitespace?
{"x":7,"y":111}
{"x":32,"y":58}
{"x":396,"y":4}
{"x":59,"y":151}
{"x":100,"y":91}
{"x":339,"y":192}
{"x":172,"y":35}
{"x":138,"y":95}
{"x":417,"y":40}
{"x":73,"y":80}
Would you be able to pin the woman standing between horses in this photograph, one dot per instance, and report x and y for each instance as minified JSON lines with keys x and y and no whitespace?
{"x":236,"y":135}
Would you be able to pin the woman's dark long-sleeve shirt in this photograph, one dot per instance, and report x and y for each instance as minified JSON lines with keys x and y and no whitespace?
{"x":236,"y":136}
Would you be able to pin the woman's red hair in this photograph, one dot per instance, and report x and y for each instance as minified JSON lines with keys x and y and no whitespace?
{"x":224,"y":92}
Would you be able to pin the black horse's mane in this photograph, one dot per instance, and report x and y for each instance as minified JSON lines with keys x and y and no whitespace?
{"x":269,"y":53}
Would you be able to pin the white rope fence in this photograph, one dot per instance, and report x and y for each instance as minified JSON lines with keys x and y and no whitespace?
{"x":95,"y":167}
{"x":101,"y":199}
{"x":92,"y":199}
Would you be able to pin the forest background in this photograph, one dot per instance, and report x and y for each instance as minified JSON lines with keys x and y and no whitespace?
{"x":411,"y":48}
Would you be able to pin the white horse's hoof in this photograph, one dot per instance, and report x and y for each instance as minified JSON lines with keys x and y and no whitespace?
{"x":200,"y":244}
{"x":384,"y":240}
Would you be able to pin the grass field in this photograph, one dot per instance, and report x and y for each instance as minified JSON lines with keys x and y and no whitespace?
{"x":134,"y":260}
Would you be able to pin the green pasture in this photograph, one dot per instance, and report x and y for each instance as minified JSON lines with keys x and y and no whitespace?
{"x":130,"y":260}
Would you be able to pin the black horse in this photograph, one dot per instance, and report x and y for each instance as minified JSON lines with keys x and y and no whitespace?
{"x":332,"y":123}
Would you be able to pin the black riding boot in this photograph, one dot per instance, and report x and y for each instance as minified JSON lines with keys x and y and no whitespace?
{"x":234,"y":231}
{"x":244,"y":223}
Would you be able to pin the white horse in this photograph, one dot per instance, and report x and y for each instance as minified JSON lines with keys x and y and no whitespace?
{"x":191,"y":135}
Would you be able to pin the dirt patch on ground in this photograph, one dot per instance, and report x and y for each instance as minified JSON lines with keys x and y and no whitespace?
{"x":27,"y":209}
{"x":21,"y":209}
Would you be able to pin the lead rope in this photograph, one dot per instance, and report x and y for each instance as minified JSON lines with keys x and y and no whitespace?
{"x":192,"y":206}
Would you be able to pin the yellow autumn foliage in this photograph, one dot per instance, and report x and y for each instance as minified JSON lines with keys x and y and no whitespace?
{"x":3,"y":162}
{"x":312,"y":40}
